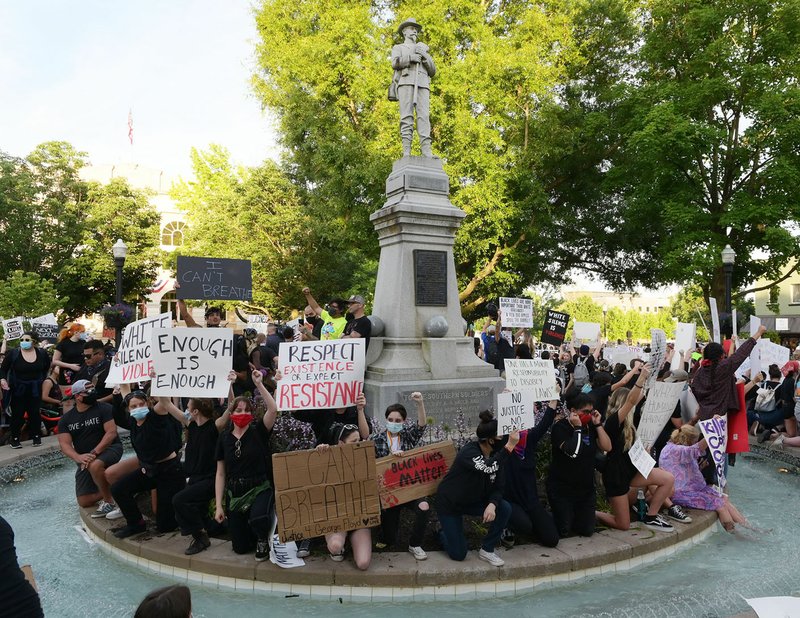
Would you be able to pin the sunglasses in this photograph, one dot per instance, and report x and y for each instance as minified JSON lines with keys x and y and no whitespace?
{"x":89,"y":355}
{"x":344,"y":428}
{"x":237,"y":449}
{"x":26,"y":339}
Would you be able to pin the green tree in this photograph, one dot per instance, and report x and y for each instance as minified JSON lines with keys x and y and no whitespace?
{"x":29,"y":295}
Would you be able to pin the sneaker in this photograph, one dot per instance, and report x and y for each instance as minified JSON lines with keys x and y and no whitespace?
{"x":778,"y":443}
{"x":656,"y":522}
{"x":676,"y":513}
{"x":491,"y":557}
{"x":115,"y":514}
{"x":130,"y":530}
{"x":198,"y":544}
{"x":262,"y":551}
{"x":417,"y":552}
{"x":507,"y":539}
{"x":304,"y":548}
{"x":103,"y":509}
{"x":15,"y":443}
{"x":764,"y":435}
{"x":337,"y":557}
{"x":37,"y":441}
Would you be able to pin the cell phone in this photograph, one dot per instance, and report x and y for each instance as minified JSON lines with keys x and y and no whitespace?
{"x":301,"y":321}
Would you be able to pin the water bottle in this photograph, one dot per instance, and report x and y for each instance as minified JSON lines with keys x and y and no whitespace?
{"x":641,"y":504}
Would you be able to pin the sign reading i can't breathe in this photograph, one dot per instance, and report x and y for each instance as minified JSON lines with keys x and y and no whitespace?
{"x":214,"y":278}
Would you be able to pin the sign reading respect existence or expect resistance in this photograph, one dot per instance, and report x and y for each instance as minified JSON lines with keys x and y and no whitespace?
{"x":516,"y":312}
{"x":414,"y":474}
{"x":214,"y":278}
{"x":332,"y":490}
{"x":320,"y":375}
{"x":134,"y":359}
{"x":191,"y":362}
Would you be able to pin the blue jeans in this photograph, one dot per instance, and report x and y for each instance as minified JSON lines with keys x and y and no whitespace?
{"x":452,"y":534}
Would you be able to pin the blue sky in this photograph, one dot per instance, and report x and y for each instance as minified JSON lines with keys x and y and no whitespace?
{"x":72,"y":70}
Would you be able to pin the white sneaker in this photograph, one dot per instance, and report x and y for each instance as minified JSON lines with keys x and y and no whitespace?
{"x":417,"y":552}
{"x":337,"y":557}
{"x":103,"y":509}
{"x":491,"y":557}
{"x":658,"y":523}
{"x":115,"y":514}
{"x":778,"y":443}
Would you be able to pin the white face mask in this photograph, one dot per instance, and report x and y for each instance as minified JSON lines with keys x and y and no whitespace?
{"x":394,"y":427}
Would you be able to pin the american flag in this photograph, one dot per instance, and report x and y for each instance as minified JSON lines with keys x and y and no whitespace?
{"x":130,"y":126}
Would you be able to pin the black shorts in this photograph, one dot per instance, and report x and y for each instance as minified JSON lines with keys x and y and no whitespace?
{"x":617,"y":477}
{"x":84,"y":484}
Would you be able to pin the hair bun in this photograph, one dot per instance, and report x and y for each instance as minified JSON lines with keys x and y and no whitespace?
{"x":486,"y":416}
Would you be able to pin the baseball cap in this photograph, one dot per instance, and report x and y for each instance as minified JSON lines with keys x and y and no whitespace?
{"x":679,"y":375}
{"x":356,"y":298}
{"x":81,"y":386}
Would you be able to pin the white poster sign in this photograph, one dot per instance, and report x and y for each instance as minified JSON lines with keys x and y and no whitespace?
{"x":49,"y":318}
{"x":658,"y":408}
{"x":744,"y":368}
{"x":623,"y":354}
{"x":769,"y":353}
{"x":776,"y":607}
{"x":689,"y":405}
{"x":13,"y":328}
{"x":755,"y":324}
{"x":191,"y":362}
{"x":715,"y":334}
{"x":134,"y":359}
{"x":734,"y":324}
{"x":284,"y":554}
{"x":715,"y":431}
{"x":586,"y":332}
{"x":641,"y":459}
{"x":658,"y":352}
{"x":320,"y":375}
{"x":534,"y":376}
{"x":515,"y":411}
{"x":516,"y":312}
{"x":685,"y":339}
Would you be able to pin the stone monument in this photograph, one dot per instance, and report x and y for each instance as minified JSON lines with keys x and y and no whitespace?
{"x":423,"y":344}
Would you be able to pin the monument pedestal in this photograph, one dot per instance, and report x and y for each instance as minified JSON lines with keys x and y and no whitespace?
{"x":424,"y":346}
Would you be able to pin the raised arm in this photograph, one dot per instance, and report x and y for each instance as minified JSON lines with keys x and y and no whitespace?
{"x":272,"y":408}
{"x":165,"y":406}
{"x":422,"y":417}
{"x":363,"y":425}
{"x":311,"y":301}
{"x":635,"y":394}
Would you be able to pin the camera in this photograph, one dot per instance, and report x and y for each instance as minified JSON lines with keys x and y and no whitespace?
{"x":491,"y":310}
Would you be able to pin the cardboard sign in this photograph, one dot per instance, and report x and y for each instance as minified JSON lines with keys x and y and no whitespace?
{"x":516,"y":312}
{"x":585,"y":332}
{"x":657,"y":410}
{"x":715,"y":333}
{"x":45,"y":331}
{"x":658,"y":352}
{"x":13,"y":328}
{"x":415,"y":475}
{"x":320,"y":375}
{"x":214,"y":278}
{"x":515,"y":411}
{"x":555,"y":327}
{"x":685,"y":339}
{"x":191,"y":362}
{"x":534,"y":376}
{"x":332,"y":490}
{"x":641,"y":459}
{"x":134,"y":359}
{"x":715,"y":431}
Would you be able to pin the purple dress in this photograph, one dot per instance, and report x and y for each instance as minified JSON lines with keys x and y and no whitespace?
{"x":690,"y":486}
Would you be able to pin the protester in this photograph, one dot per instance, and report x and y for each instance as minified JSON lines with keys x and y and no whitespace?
{"x":170,"y":602}
{"x":213,"y":315}
{"x":360,"y":539}
{"x":243,"y":483}
{"x":156,"y":442}
{"x":311,"y":325}
{"x":51,"y":401}
{"x":18,"y":598}
{"x":570,"y":481}
{"x":22,"y":374}
{"x":87,"y":434}
{"x":474,"y":486}
{"x":95,"y":369}
{"x":68,"y":355}
{"x":397,"y":439}
{"x":321,"y":421}
{"x":500,"y":348}
{"x":359,"y":327}
{"x":332,"y":316}
{"x":680,"y":457}
{"x":766,"y":411}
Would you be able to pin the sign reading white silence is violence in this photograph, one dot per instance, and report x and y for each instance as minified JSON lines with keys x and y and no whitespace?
{"x":134,"y":360}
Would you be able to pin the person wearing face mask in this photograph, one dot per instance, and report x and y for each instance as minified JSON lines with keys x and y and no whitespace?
{"x":332,"y":316}
{"x":474,"y":486}
{"x":95,"y":369}
{"x":312,"y":325}
{"x":153,"y":437}
{"x":87,"y":434}
{"x":243,"y":482}
{"x":22,"y":373}
{"x":397,"y":439}
{"x":68,"y":355}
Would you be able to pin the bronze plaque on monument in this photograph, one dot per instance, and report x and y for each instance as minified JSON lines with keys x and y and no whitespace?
{"x":430,"y":278}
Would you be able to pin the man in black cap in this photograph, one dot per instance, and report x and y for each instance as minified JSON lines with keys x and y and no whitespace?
{"x":359,"y":327}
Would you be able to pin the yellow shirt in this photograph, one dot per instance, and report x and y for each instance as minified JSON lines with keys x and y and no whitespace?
{"x":332,"y":327}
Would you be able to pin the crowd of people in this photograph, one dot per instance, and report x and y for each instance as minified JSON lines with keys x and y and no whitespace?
{"x":190,"y":454}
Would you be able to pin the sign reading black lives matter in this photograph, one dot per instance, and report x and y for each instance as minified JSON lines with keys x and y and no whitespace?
{"x":214,"y":278}
{"x":555,"y":327}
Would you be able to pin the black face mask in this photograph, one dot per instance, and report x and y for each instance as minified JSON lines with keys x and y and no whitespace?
{"x":498,"y":444}
{"x":90,"y":398}
{"x":333,"y":311}
{"x":312,"y":321}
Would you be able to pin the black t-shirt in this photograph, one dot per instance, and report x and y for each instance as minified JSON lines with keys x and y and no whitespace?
{"x":71,"y":351}
{"x":254,"y":461}
{"x":201,"y":447}
{"x":360,"y":325}
{"x":97,"y":375}
{"x":17,"y":596}
{"x":322,"y":420}
{"x":504,"y":350}
{"x":601,"y":395}
{"x":86,"y":428}
{"x":15,"y":364}
{"x":573,"y":455}
{"x":618,"y":462}
{"x":156,"y":437}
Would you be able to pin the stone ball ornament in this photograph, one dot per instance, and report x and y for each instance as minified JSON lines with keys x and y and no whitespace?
{"x":437,"y":326}
{"x":378,"y":326}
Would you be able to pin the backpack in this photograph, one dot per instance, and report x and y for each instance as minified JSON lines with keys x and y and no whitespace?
{"x":765,"y":399}
{"x":491,"y":350}
{"x":581,"y":373}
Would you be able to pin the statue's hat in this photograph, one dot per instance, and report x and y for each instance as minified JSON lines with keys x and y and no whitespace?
{"x":409,"y":22}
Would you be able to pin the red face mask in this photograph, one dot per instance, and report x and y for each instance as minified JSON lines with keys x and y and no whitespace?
{"x":585,"y":418}
{"x":242,"y":420}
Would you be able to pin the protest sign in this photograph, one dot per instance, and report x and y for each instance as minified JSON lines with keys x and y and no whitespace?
{"x":516,"y":312}
{"x":734,"y":324}
{"x":689,"y":405}
{"x":586,"y":332}
{"x":332,"y":490}
{"x":535,"y":376}
{"x":284,"y":554}
{"x":775,"y":607}
{"x":685,"y":339}
{"x":48,"y":318}
{"x":134,"y":360}
{"x":765,"y":354}
{"x":214,"y":278}
{"x":13,"y":328}
{"x":658,"y":352}
{"x":715,"y":431}
{"x":623,"y":354}
{"x":320,"y":375}
{"x":415,"y":474}
{"x":45,"y":327}
{"x":191,"y":362}
{"x":555,"y":327}
{"x":515,"y":411}
{"x":641,"y":459}
{"x":755,"y":324}
{"x":715,"y":332}
{"x":743,"y":368}
{"x":658,"y":408}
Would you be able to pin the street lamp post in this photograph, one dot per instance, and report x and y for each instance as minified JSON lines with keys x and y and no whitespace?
{"x":120,"y":252}
{"x":728,"y":258}
{"x":605,"y":311}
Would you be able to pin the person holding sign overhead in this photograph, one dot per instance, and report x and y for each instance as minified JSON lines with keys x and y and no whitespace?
{"x":213,"y":315}
{"x":474,"y":486}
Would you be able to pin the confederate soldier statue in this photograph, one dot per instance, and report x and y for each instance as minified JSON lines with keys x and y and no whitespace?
{"x":411,"y":85}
